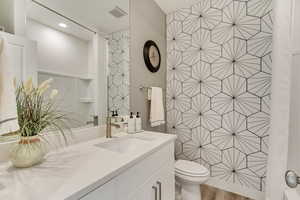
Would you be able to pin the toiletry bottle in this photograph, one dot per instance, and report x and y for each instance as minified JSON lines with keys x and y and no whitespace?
{"x":138,"y":123}
{"x":113,"y":116}
{"x":116,"y":116}
{"x":131,"y":124}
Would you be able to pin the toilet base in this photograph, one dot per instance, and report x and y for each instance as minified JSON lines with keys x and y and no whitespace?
{"x":190,"y":192}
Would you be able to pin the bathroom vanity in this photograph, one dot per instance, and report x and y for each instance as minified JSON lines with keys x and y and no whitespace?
{"x":129,"y":167}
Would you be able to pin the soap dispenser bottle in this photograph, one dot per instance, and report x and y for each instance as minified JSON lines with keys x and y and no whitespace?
{"x":131,"y":124}
{"x":116,"y":116}
{"x":138,"y":123}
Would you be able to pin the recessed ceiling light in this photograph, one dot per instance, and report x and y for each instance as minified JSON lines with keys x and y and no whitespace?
{"x":63,"y":25}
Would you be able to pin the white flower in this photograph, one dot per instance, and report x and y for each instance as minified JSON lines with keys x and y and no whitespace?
{"x":15,"y":82}
{"x":44,"y":86}
{"x":53,"y":94}
{"x":28,"y":86}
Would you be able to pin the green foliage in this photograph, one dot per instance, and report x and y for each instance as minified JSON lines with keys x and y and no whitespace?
{"x":36,"y":112}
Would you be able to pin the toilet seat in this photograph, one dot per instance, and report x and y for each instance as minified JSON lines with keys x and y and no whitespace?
{"x":190,"y":175}
{"x":189,"y":168}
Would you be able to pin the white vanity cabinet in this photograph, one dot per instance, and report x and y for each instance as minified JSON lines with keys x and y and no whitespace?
{"x":159,"y":187}
{"x":151,"y":178}
{"x":105,"y":192}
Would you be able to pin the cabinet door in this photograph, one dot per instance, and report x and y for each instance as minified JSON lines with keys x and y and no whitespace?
{"x":148,"y":191}
{"x":160,"y":187}
{"x":166,"y":183}
{"x":105,"y":192}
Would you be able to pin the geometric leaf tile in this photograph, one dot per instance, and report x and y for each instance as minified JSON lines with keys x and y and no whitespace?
{"x":265,"y":144}
{"x":247,"y":142}
{"x":267,"y":23}
{"x":222,"y":138}
{"x":184,"y":133}
{"x":257,"y":162}
{"x":222,"y":68}
{"x":260,"y":45}
{"x":260,"y":84}
{"x":259,"y":7}
{"x":211,"y":120}
{"x":265,"y":104}
{"x":233,"y":161}
{"x":234,"y":86}
{"x":203,"y":163}
{"x":174,"y":120}
{"x":191,"y":24}
{"x":247,"y":104}
{"x":234,"y":49}
{"x":247,"y":178}
{"x":174,"y":89}
{"x":202,"y":135}
{"x":182,"y":14}
{"x":247,"y":65}
{"x":234,"y":123}
{"x":208,"y":17}
{"x":211,"y":154}
{"x":222,"y":103}
{"x":218,"y":86}
{"x":267,"y":64}
{"x":210,"y":86}
{"x":178,"y":147}
{"x":177,"y":40}
{"x":202,"y":48}
{"x":220,"y":4}
{"x":118,"y":63}
{"x":200,"y":105}
{"x":222,"y":33}
{"x":191,"y":87}
{"x":191,"y":149}
{"x":243,"y":26}
{"x":176,"y":69}
{"x":259,"y":124}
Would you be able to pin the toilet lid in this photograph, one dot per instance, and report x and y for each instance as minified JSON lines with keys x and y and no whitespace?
{"x":190,"y":168}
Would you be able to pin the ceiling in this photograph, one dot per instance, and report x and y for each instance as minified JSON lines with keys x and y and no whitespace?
{"x":93,"y":14}
{"x":169,"y":6}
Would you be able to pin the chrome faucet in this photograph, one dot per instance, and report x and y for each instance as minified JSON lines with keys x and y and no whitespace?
{"x":109,"y":124}
{"x":95,"y":121}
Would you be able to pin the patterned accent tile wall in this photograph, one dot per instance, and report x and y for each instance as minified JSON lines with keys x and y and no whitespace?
{"x":118,"y":87}
{"x":218,"y":93}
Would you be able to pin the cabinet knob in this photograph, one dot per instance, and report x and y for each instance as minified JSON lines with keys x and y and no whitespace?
{"x":155,"y":192}
{"x":159,"y":189}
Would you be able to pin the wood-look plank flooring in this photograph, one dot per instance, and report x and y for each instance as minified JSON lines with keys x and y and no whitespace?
{"x":211,"y":193}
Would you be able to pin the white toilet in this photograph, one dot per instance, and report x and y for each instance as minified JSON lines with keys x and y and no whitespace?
{"x":190,"y":175}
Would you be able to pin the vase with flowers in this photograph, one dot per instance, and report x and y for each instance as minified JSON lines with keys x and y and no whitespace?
{"x":37,"y":114}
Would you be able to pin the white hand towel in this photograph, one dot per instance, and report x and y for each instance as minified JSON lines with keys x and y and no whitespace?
{"x":157,"y":112}
{"x":8,"y":108}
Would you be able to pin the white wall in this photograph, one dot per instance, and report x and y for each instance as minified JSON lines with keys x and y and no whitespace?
{"x":61,"y":53}
{"x":58,"y":51}
{"x":20,"y":16}
{"x":280,"y":108}
{"x":294,"y":136}
{"x":148,"y":22}
{"x":7,"y":15}
{"x":100,"y":47}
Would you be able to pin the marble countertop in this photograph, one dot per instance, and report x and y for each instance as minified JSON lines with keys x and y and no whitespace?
{"x":73,"y":171}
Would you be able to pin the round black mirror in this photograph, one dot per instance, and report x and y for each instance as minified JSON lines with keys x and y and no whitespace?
{"x":152,"y":56}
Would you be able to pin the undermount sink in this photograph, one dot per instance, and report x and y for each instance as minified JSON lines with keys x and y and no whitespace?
{"x":124,"y":145}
